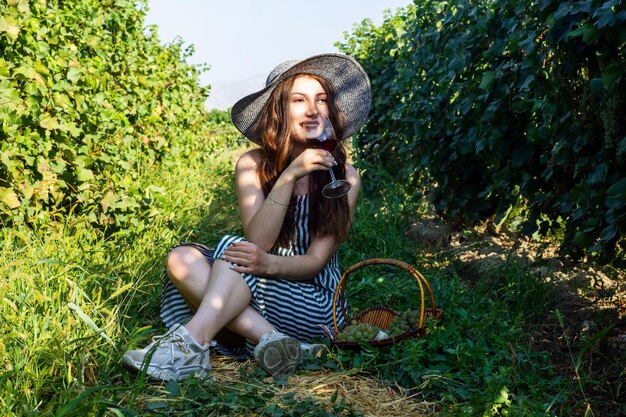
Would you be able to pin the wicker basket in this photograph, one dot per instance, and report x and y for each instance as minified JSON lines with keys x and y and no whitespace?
{"x":382,"y":316}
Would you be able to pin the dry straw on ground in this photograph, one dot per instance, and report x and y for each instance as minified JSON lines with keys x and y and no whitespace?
{"x":364,"y":394}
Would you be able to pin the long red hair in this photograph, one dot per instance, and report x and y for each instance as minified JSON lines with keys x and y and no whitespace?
{"x":327,"y":216}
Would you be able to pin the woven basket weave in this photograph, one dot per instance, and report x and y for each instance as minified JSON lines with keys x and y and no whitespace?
{"x":382,"y":316}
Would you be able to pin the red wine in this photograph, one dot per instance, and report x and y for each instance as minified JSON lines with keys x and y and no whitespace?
{"x":328,"y":144}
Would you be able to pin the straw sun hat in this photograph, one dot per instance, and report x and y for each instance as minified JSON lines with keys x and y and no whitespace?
{"x":351,"y":84}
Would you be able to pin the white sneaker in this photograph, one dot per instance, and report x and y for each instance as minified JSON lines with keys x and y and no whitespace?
{"x":175,"y":355}
{"x":278,"y":354}
{"x":316,"y":350}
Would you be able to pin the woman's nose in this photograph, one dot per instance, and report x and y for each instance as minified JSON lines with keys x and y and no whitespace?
{"x":313,"y":110}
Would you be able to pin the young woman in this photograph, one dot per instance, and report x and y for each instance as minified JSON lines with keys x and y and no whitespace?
{"x":275,"y":285}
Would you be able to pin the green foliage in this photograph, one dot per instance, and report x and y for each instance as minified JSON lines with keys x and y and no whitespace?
{"x":475,"y":363}
{"x":88,"y":102}
{"x":108,"y":158}
{"x":482,"y":359}
{"x":499,"y":104}
{"x":77,"y":299}
{"x":480,"y":341}
{"x":220,"y":117}
{"x":76,"y":296}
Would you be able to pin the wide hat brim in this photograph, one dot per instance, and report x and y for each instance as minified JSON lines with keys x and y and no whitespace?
{"x":348,"y":78}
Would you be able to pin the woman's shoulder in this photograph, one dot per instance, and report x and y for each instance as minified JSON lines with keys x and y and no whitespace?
{"x":352,"y":172}
{"x":354,"y":178}
{"x":250,"y":159}
{"x":246,"y":169}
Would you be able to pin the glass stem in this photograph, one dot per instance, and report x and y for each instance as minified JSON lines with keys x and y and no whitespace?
{"x":332,"y":175}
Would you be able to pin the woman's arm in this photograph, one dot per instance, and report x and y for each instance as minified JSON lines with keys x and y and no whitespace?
{"x":353,"y":177}
{"x":252,"y":259}
{"x":261,"y":217}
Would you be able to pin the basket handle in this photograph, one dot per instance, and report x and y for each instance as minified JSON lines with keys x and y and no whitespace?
{"x":421,"y":281}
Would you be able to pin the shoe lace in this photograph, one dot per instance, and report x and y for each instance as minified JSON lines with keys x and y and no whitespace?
{"x":171,"y":341}
{"x":271,"y":335}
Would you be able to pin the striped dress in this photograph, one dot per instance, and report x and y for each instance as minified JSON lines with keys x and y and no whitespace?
{"x":296,"y":308}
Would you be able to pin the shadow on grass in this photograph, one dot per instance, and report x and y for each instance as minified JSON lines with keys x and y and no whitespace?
{"x":574,"y":311}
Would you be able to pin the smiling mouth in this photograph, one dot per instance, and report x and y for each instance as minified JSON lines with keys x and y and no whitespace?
{"x":310,"y":126}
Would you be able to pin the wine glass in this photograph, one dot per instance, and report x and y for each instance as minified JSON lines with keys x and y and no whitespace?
{"x":322,"y":136}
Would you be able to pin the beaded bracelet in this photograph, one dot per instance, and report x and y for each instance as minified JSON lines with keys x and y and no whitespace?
{"x":272,"y":202}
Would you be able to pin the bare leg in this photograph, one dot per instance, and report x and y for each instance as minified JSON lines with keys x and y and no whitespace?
{"x":226,"y":298}
{"x":222,"y":298}
{"x":228,"y":293}
{"x":189,"y":271}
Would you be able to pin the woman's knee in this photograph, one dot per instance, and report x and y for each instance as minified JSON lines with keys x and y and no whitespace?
{"x":184,"y":262}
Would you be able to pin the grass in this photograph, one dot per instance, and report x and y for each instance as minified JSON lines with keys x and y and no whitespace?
{"x":74,"y":299}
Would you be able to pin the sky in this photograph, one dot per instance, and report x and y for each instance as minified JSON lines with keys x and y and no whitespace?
{"x":243,"y":40}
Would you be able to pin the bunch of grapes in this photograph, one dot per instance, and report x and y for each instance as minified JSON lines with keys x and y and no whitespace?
{"x":357,"y":332}
{"x":404,"y":322}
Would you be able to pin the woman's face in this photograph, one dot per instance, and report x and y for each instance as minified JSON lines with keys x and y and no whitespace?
{"x":307,"y":106}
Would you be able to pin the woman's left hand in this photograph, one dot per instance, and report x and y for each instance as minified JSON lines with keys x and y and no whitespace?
{"x":247,"y":258}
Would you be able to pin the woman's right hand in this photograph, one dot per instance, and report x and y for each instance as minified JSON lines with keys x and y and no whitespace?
{"x":310,"y":160}
{"x":247,"y":258}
